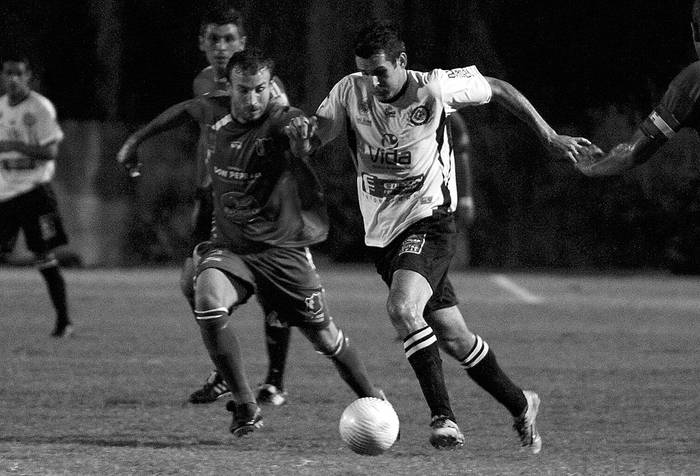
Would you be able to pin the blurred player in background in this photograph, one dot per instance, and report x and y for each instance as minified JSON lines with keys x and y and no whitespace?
{"x":678,"y":108}
{"x":268,"y":208}
{"x":406,"y":187}
{"x":221,"y":34}
{"x":29,"y":140}
{"x":465,"y":213}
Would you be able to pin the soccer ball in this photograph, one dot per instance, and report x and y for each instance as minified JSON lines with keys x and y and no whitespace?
{"x":369,"y":426}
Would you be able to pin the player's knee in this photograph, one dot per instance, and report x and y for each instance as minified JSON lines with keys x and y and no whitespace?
{"x":404,"y":314}
{"x":331,"y":342}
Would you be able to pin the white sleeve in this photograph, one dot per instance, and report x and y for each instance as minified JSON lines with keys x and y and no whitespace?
{"x":46,"y":129}
{"x":459,"y":87}
{"x":332,"y":112}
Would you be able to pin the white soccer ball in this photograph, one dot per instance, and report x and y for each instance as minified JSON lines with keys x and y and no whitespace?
{"x":369,"y":426}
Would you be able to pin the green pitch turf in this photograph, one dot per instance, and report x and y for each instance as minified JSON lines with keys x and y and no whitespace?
{"x":615,"y":360}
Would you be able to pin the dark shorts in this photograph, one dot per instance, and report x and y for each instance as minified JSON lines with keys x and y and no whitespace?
{"x":202,"y":216}
{"x":425,"y":247}
{"x":282,"y":278}
{"x":35,"y":213}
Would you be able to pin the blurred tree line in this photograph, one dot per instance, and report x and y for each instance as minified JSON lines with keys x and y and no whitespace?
{"x":591,"y":68}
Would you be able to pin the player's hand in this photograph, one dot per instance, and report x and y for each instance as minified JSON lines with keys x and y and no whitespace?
{"x":588,"y":157}
{"x":567,"y":147}
{"x":128,"y":158}
{"x":300,"y":130}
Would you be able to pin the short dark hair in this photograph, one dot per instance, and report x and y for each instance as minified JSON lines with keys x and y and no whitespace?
{"x":249,"y":62}
{"x":221,"y":13}
{"x":16,"y":57}
{"x":380,"y":36}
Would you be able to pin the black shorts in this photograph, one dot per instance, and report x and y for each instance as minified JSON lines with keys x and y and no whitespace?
{"x":425,"y":247}
{"x":36,"y":213}
{"x":202,"y":216}
{"x":282,"y":278}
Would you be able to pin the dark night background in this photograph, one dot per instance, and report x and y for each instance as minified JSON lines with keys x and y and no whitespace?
{"x":593,"y":68}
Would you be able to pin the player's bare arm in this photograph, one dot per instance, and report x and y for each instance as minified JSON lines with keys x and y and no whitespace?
{"x":560,"y":146}
{"x":171,"y":118}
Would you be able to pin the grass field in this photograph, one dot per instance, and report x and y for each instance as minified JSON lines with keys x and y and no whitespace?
{"x":615,"y":359}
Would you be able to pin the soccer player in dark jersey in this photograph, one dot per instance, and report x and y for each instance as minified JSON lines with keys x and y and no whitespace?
{"x":679,"y":107}
{"x":396,"y":122}
{"x":29,"y":140}
{"x":221,"y":34}
{"x":268,"y":208}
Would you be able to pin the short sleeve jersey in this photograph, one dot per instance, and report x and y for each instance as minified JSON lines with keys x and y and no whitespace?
{"x":679,"y":106}
{"x":207,"y":83}
{"x":405,"y":165}
{"x":33,"y":121}
{"x":262,"y":195}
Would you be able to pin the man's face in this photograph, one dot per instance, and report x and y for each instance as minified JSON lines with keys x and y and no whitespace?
{"x":219,"y":43}
{"x":15,"y":78}
{"x":385,"y":79}
{"x":250,"y":94}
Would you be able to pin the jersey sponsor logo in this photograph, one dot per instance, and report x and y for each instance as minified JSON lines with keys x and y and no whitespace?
{"x":459,"y":73}
{"x":413,"y":244}
{"x":389,"y":140}
{"x":381,"y":156}
{"x":234,"y":175}
{"x":363,"y":107}
{"x":389,"y":112}
{"x":383,"y":188}
{"x":419,"y":116}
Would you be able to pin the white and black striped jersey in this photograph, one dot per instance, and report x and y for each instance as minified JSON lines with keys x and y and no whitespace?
{"x":405,"y":166}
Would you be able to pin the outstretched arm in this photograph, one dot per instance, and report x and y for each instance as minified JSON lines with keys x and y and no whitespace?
{"x":560,"y":146}
{"x":625,"y":155}
{"x":166,"y":120}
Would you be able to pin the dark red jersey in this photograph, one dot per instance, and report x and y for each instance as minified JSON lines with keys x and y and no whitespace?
{"x":262,"y":194}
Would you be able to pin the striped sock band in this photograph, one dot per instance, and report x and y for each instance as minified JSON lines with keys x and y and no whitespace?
{"x":211,"y":314}
{"x":418,"y":340}
{"x":476,"y":354}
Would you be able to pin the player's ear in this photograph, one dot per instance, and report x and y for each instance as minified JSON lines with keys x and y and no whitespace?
{"x":244,"y":40}
{"x":402,"y":60}
{"x":202,"y":43}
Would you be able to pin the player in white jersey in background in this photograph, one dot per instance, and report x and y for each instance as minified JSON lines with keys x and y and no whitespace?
{"x":29,"y":139}
{"x":406,"y":187}
{"x":221,"y":34}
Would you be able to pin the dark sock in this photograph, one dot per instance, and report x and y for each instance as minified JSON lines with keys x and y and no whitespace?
{"x":422,"y":352}
{"x":482,"y":367}
{"x":351,"y":368}
{"x":57,"y":291}
{"x":224,"y":350}
{"x":277,"y":340}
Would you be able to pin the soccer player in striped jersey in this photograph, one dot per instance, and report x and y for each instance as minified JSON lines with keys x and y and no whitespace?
{"x":222,"y":33}
{"x":396,"y":123}
{"x":679,"y":107}
{"x":29,"y":140}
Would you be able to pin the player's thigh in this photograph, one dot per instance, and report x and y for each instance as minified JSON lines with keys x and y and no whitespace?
{"x":288,"y":283}
{"x":222,"y":278}
{"x":41,"y":221}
